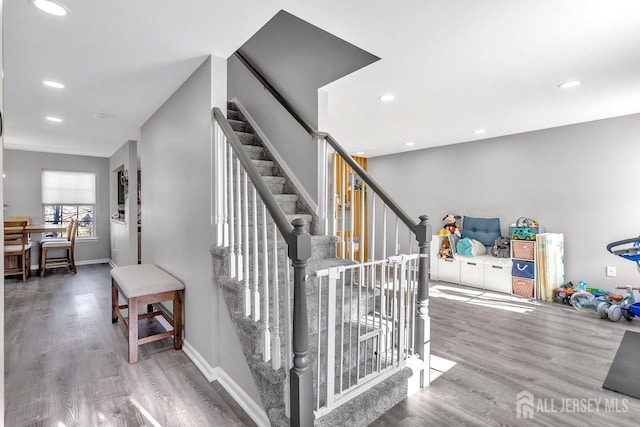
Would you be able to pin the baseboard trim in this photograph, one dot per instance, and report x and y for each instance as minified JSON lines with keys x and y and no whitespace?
{"x":253,"y":410}
{"x":94,"y":261}
{"x":207,"y":370}
{"x":85,"y":262}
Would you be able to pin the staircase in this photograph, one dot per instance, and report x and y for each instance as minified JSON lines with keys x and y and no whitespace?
{"x":271,"y":378}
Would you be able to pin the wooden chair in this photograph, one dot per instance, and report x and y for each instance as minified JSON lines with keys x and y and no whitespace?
{"x":67,"y":245}
{"x":60,"y":239}
{"x":17,"y":249}
{"x":19,"y":218}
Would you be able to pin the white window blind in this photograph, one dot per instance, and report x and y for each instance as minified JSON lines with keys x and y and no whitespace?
{"x":63,"y":187}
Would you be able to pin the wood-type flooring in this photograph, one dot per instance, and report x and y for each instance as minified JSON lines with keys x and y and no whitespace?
{"x":496,"y":347}
{"x":66,"y":363}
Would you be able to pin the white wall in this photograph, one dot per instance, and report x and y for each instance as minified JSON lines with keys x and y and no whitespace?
{"x":23,"y":194}
{"x":175,"y":160}
{"x":580,"y":180}
{"x":124,"y":234}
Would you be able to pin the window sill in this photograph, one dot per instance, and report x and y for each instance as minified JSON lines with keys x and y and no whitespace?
{"x":117,"y":221}
{"x":87,"y":239}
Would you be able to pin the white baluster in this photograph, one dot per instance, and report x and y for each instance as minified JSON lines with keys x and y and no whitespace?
{"x":239,"y":266}
{"x":219,"y":183}
{"x":322,"y":185}
{"x":245,"y":247}
{"x":401,"y":315}
{"x":383,"y":275}
{"x":276,"y":357}
{"x":319,"y":344}
{"x":331,"y":336}
{"x":266,"y":335}
{"x":255,"y":305}
{"x":231,"y":206}
{"x":342,"y":293}
{"x":288,"y":334}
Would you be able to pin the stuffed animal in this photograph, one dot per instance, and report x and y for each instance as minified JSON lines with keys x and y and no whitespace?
{"x":451,"y":224}
{"x":501,"y":247}
{"x":445,"y":249}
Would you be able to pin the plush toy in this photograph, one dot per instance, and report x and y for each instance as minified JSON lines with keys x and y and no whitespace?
{"x":451,"y":224}
{"x":445,"y":249}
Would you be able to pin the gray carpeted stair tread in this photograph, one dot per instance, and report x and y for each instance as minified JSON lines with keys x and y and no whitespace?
{"x":248,"y":138}
{"x":269,"y":382}
{"x":321,"y":264}
{"x":238,"y":125}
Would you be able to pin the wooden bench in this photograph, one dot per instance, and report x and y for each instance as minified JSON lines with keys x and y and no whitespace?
{"x":140,"y":285}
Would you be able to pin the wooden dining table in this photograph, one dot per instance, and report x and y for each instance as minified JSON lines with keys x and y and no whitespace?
{"x":38,"y":228}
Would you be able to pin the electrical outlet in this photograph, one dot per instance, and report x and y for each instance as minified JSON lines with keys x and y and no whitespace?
{"x":611,"y":271}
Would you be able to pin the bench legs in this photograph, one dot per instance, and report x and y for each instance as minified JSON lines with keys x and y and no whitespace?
{"x":131,"y":324}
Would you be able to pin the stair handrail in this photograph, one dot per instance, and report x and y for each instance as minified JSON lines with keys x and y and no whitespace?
{"x":401,"y":214}
{"x":269,"y":201}
{"x":298,"y":241}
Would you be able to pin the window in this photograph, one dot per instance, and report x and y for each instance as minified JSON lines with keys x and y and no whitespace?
{"x":67,"y":195}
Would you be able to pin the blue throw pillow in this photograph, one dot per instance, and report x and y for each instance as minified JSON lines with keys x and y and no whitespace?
{"x":485,"y":230}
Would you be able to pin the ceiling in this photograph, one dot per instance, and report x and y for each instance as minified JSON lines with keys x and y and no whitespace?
{"x":453,"y":66}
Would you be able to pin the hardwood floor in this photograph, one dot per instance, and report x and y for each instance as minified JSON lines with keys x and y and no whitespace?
{"x":502,"y":346}
{"x":66,"y":363}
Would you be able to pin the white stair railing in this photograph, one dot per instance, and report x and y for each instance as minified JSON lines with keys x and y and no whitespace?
{"x":363,"y":338}
{"x":411,"y":336}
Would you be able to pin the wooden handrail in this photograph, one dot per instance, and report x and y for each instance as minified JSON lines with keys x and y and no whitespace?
{"x":402,"y":215}
{"x":254,"y":175}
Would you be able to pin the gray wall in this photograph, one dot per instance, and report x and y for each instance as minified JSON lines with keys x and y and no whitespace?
{"x":580,"y":180}
{"x":124,"y":234}
{"x":23,"y":194}
{"x":174,"y":157}
{"x":175,"y":162}
{"x":292,"y":142}
{"x":297,"y":58}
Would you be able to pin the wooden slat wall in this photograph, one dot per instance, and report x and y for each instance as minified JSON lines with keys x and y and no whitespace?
{"x":360,"y":231}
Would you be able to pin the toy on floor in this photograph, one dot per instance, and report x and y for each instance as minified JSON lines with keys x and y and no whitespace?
{"x":628,"y":249}
{"x":564,"y":292}
{"x":606,"y":304}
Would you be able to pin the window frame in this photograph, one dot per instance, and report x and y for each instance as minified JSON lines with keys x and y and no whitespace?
{"x":71,"y":206}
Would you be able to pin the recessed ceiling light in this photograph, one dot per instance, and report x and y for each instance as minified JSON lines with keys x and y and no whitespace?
{"x":51,"y":7}
{"x":360,"y":153}
{"x":51,"y":83}
{"x":99,"y":115}
{"x":387,"y":97}
{"x":54,"y":119}
{"x":479,"y":131}
{"x":409,"y":144}
{"x":570,"y":84}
